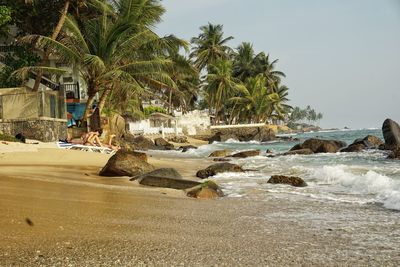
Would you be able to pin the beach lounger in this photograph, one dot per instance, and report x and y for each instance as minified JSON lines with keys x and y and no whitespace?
{"x":97,"y":149}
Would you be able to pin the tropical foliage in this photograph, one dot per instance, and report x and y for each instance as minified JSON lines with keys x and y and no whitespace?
{"x":125,"y":63}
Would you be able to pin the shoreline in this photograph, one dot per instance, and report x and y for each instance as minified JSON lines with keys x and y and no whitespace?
{"x":81,"y":219}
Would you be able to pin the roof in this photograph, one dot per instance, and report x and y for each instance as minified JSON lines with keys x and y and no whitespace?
{"x":160,"y":116}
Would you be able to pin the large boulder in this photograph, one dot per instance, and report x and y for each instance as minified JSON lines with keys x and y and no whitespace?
{"x":162,"y":144}
{"x":320,"y":145}
{"x":206,"y":190}
{"x":218,"y":168}
{"x":165,"y":178}
{"x":162,"y":172}
{"x":126,"y":163}
{"x":304,"y":151}
{"x":143,"y":143}
{"x":391,"y":134}
{"x":220,"y":153}
{"x":291,"y":180}
{"x":246,"y":154}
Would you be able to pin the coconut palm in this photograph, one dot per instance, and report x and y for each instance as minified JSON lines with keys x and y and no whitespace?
{"x":243,"y":64}
{"x":115,"y":51}
{"x":210,"y":46}
{"x":221,"y":86}
{"x":54,"y":35}
{"x":263,"y":65}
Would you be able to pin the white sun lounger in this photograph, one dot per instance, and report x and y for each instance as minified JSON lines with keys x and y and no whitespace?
{"x":97,"y":149}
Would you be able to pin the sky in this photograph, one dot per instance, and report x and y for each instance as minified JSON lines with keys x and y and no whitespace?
{"x":342,"y":57}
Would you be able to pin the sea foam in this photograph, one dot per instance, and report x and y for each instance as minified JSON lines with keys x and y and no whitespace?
{"x":382,"y":188}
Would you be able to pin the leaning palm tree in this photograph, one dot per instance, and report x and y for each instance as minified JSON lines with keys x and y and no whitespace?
{"x":54,"y":35}
{"x":221,"y":86}
{"x":210,"y":46}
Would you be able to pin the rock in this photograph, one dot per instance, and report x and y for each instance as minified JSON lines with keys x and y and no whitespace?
{"x":246,"y":154}
{"x":395,"y":154}
{"x":292,"y":180}
{"x":357,"y":147}
{"x":244,"y":134}
{"x":181,"y":139}
{"x":215,"y":138}
{"x":162,"y":144}
{"x":186,"y":148}
{"x":297,"y":147}
{"x":320,"y":145}
{"x":206,"y":190}
{"x":162,"y":172}
{"x":304,"y":151}
{"x":218,"y":168}
{"x":220,"y":153}
{"x":126,"y":163}
{"x":165,"y":182}
{"x":360,"y":144}
{"x":372,"y":141}
{"x":222,"y":159}
{"x":391,"y":134}
{"x":143,"y":143}
{"x":165,"y":178}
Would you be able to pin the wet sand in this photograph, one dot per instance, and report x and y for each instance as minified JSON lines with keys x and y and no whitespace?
{"x":80,"y":219}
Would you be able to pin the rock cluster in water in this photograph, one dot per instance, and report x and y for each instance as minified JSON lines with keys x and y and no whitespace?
{"x":244,"y":134}
{"x":316,"y":145}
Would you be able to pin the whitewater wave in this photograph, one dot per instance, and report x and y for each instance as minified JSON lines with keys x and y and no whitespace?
{"x":385,"y":189}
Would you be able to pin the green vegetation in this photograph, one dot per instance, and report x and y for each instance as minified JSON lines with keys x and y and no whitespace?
{"x":22,"y":56}
{"x":8,"y":138}
{"x":124,"y":62}
{"x":153,"y":109}
{"x":301,"y":115}
{"x":5,"y":19}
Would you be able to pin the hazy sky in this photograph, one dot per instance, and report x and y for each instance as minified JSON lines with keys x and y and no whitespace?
{"x":342,"y":57}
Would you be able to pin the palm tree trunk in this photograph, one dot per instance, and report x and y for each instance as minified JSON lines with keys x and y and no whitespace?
{"x":170,"y":101}
{"x":89,"y":104}
{"x":103,"y":99}
{"x":54,"y":36}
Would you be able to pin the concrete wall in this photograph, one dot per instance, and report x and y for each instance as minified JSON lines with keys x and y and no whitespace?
{"x":196,"y":122}
{"x":42,"y":129}
{"x":144,"y":127}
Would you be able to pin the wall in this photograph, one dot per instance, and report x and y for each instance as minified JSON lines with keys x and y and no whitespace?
{"x":195,"y":122}
{"x":42,"y":129}
{"x":144,"y":127}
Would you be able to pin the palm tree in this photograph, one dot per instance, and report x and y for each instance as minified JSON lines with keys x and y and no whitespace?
{"x":243,"y":64}
{"x":210,"y":46}
{"x":54,"y":35}
{"x":221,"y":86}
{"x":115,"y":51}
{"x":186,"y":77}
{"x":263,"y":65}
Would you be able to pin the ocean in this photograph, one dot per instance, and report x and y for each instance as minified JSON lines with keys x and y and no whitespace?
{"x":365,"y":178}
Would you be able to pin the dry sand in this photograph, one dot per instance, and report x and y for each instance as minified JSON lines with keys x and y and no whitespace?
{"x":56,"y":211}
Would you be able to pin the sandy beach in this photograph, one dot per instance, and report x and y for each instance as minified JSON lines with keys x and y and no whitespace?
{"x":56,"y":211}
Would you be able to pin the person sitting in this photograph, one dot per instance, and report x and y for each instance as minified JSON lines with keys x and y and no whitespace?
{"x":92,"y":138}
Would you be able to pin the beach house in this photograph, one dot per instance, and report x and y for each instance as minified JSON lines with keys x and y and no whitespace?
{"x":40,"y":114}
